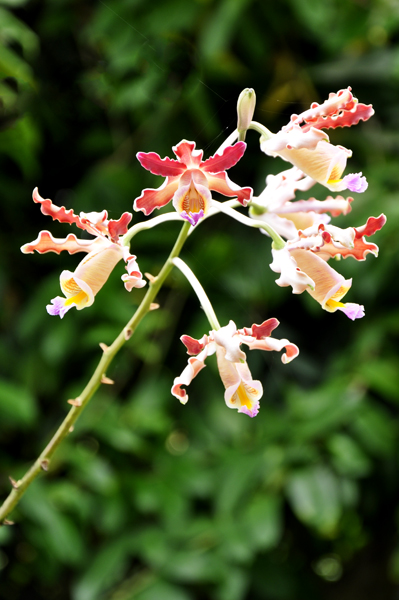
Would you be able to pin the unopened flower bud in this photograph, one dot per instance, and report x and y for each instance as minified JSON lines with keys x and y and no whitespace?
{"x":245,"y":109}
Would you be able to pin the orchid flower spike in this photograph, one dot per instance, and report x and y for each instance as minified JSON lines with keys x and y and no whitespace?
{"x":242,"y":392}
{"x":304,"y":145}
{"x":189,"y":180}
{"x":104,"y":251}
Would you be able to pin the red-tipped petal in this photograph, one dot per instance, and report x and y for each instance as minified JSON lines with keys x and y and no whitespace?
{"x":55,"y":212}
{"x":221,"y":183}
{"x":194,"y":346}
{"x":186,"y":153}
{"x":117,"y":228}
{"x":167,"y":167}
{"x":373,"y":224}
{"x":45,"y":242}
{"x":265,"y":329}
{"x":151,"y":198}
{"x":220,"y":162}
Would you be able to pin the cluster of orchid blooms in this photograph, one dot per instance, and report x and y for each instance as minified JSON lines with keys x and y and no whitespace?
{"x":303,"y":240}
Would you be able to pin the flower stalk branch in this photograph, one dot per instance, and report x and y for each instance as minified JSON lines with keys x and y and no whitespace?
{"x":98,"y":377}
{"x":199,"y":290}
{"x":278,"y":242}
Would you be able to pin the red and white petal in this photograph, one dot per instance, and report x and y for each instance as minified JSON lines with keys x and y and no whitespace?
{"x":186,"y":153}
{"x":293,"y":139}
{"x":167,"y":167}
{"x":261,"y":331}
{"x":220,"y":182}
{"x":45,"y":242}
{"x":290,"y":273}
{"x":134,"y":277}
{"x":57,"y":213}
{"x":227,"y":338}
{"x":334,"y":206}
{"x":271,"y":344}
{"x":119,"y":227}
{"x":342,"y":100}
{"x":221,"y":162}
{"x":194,"y":346}
{"x":194,"y":366}
{"x":340,"y":110}
{"x":156,"y":198}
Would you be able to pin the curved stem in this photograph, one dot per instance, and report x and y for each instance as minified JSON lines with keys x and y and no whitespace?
{"x":264,"y":131}
{"x":98,"y":377}
{"x":199,"y":290}
{"x":170,"y":216}
{"x":278,"y":241}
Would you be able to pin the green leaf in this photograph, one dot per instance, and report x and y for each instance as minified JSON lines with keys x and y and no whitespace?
{"x":375,"y":429}
{"x":348,"y":457}
{"x":17,"y":405}
{"x":263,"y":521}
{"x":56,"y":533}
{"x":11,"y":65}
{"x":159,"y":590}
{"x":314,"y":495}
{"x":105,"y":569}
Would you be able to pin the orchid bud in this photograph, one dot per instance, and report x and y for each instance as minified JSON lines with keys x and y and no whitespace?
{"x":245,"y":109}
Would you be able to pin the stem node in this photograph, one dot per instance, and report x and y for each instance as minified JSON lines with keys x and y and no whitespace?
{"x":128,"y":332}
{"x":44,"y":464}
{"x":76,"y":402}
{"x":150,"y":277}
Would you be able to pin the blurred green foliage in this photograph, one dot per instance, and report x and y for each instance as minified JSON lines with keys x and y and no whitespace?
{"x":147,"y":499}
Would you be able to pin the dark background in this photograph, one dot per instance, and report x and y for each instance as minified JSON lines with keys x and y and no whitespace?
{"x":148,"y":499}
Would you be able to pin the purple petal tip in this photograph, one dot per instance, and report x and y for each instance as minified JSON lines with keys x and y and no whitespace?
{"x":356,"y":183}
{"x":251,"y":413}
{"x":192,"y":218}
{"x":353,"y":311}
{"x":57,"y":307}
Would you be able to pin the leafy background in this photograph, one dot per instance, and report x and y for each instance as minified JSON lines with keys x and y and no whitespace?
{"x":147,"y":499}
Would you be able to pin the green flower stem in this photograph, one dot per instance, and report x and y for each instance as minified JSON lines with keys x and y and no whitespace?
{"x":240,"y":135}
{"x":199,"y":290}
{"x":278,"y":242}
{"x":98,"y":377}
{"x":170,"y":216}
{"x":264,"y":131}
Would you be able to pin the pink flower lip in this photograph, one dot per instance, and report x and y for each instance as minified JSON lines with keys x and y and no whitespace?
{"x":355,"y":182}
{"x":251,"y":413}
{"x":192,"y":218}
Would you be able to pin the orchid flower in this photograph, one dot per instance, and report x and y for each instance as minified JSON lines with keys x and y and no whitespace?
{"x":304,"y":145}
{"x":242,"y":392}
{"x":189,"y":180}
{"x":302,"y":263}
{"x":274,"y":206}
{"x":104,"y":251}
